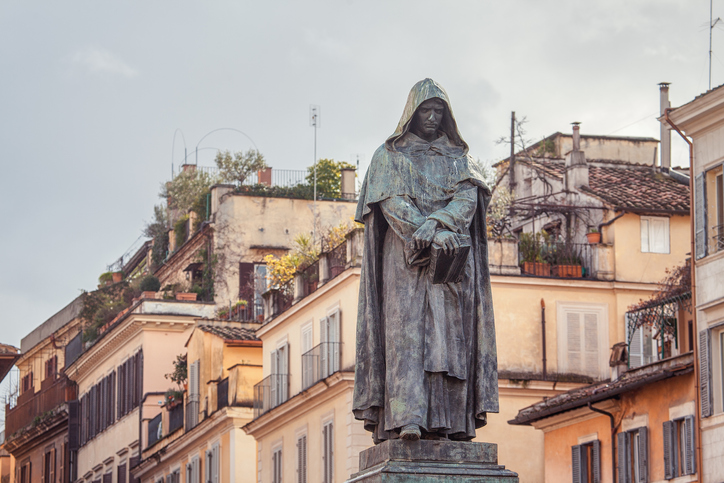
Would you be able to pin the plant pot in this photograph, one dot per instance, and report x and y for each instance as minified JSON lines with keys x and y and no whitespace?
{"x":567,"y":271}
{"x":148,"y":295}
{"x":593,"y":238}
{"x":186,"y":296}
{"x":117,"y":277}
{"x":537,"y":268}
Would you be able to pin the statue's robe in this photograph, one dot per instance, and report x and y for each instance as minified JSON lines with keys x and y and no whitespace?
{"x":425,"y":352}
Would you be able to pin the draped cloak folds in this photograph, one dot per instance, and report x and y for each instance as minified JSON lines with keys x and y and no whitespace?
{"x":425,"y":354}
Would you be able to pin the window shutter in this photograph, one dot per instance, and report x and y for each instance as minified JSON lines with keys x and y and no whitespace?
{"x":325,"y":456}
{"x":623,"y":458}
{"x":590,"y":331}
{"x":689,"y":463}
{"x":73,"y":425}
{"x":122,"y":473}
{"x":274,"y":378}
{"x":643,"y":452}
{"x":132,"y":464}
{"x":645,"y":231}
{"x":669,"y":449}
{"x":207,"y":469}
{"x":324,"y":348}
{"x":596,"y":463}
{"x":634,"y":346}
{"x":246,"y":282}
{"x":334,"y":337}
{"x":302,"y":459}
{"x":659,"y":235}
{"x":704,"y":374}
{"x":285,"y":377}
{"x":43,"y":466}
{"x":700,"y":216}
{"x":573,"y":326}
{"x":576,"y":463}
{"x":217,"y":463}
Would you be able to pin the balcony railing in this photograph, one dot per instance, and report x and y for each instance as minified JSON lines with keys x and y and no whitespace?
{"x":320,"y":362}
{"x":175,"y":418}
{"x":310,"y":276}
{"x":279,"y":177}
{"x":337,"y":260}
{"x":26,"y":412}
{"x":270,"y":393}
{"x":563,"y":260}
{"x":154,"y":430}
{"x":222,"y":394}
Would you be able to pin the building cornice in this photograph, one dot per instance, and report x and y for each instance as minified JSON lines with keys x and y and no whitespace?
{"x":133,"y":324}
{"x":309,"y":300}
{"x":548,"y":282}
{"x":575,"y":416}
{"x":306,"y":400}
{"x":700,"y":114}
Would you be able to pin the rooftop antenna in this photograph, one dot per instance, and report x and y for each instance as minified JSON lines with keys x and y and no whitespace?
{"x":315,"y":122}
{"x":712,"y":23}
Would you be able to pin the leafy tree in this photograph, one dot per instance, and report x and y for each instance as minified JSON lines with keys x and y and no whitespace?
{"x":329,"y":184}
{"x":157,"y":230}
{"x":187,"y":189}
{"x":236,"y":168}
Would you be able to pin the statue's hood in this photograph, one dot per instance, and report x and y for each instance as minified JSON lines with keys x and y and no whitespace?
{"x":422,"y":91}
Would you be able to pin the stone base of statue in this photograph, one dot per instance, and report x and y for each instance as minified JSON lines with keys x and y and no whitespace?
{"x":399,"y":461}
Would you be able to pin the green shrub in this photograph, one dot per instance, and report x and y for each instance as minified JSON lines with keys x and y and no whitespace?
{"x":149,"y":283}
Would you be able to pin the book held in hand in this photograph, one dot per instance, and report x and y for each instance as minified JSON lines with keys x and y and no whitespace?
{"x":449,"y":268}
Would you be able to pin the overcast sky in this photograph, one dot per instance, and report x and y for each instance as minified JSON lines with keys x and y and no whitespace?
{"x":91,"y":94}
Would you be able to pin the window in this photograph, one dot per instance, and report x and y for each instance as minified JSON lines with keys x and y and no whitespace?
{"x":633,"y":456}
{"x":679,"y":447}
{"x":130,"y":384}
{"x":121,"y":477}
{"x":277,"y":465}
{"x":583,"y":339}
{"x":47,"y":471}
{"x":51,"y":367}
{"x":212,"y":464}
{"x":654,"y":234}
{"x":260,"y":286}
{"x":193,"y":470}
{"x":27,"y":382}
{"x":25,"y":472}
{"x":302,"y":459}
{"x":192,"y":407}
{"x":279,"y":384}
{"x":307,"y":357}
{"x":328,"y":451}
{"x":98,"y":408}
{"x":174,"y":476}
{"x":717,"y":231}
{"x":586,"y":462}
{"x":711,"y":367}
{"x":329,"y":335}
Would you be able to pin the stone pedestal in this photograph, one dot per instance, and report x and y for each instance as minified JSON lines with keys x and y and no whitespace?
{"x":398,"y":461}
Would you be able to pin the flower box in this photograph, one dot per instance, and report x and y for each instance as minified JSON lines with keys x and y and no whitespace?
{"x":567,"y":271}
{"x":537,"y":268}
{"x":186,"y":296}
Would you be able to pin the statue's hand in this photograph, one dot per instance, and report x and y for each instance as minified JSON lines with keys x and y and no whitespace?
{"x":448,"y":241}
{"x":424,"y":235}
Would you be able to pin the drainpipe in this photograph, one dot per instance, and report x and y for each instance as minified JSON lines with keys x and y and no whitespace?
{"x":609,"y":222}
{"x":697,"y":362}
{"x":543,"y":331}
{"x":613,"y":439}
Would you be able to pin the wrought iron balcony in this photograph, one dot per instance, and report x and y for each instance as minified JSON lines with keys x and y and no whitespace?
{"x":717,"y":238}
{"x":175,"y":418}
{"x":320,"y":362}
{"x":272,"y":391}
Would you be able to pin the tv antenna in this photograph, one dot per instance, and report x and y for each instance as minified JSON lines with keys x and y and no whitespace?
{"x":315,"y":112}
{"x":712,"y":24}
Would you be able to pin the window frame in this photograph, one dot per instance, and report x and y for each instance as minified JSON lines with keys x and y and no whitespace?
{"x":648,"y":220}
{"x":602,"y":312}
{"x":327,"y":442}
{"x":586,"y":466}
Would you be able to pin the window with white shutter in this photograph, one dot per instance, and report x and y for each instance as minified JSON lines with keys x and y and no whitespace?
{"x":583,"y":339}
{"x":700,"y":215}
{"x":194,"y":397}
{"x":302,"y":459}
{"x":654,"y":234}
{"x":308,"y":359}
{"x":641,"y":350}
{"x":277,"y":465}
{"x":328,"y":452}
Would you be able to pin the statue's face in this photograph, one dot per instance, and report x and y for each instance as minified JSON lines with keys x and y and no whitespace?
{"x":427,"y":118}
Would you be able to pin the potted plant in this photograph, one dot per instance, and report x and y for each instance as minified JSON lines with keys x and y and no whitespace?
{"x":222,"y":313}
{"x":173,"y":398}
{"x":566,"y":261}
{"x":239,"y":307}
{"x":178,"y":376}
{"x":593,"y":236}
{"x":529,"y":246}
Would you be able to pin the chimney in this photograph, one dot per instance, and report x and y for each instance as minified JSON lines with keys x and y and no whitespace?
{"x":665,"y":131}
{"x":264,"y":176}
{"x":347,"y":183}
{"x":576,"y":166}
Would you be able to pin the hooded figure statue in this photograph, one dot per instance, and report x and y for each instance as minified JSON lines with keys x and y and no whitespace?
{"x":426,"y":357}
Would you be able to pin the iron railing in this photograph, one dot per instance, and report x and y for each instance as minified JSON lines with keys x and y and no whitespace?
{"x":564,"y":258}
{"x":320,"y":362}
{"x":175,"y":418}
{"x":652,"y":331}
{"x":272,"y":391}
{"x":29,"y":410}
{"x":337,"y":260}
{"x":154,"y":430}
{"x":310,"y":276}
{"x":279,"y":177}
{"x":222,"y":394}
{"x":717,"y":238}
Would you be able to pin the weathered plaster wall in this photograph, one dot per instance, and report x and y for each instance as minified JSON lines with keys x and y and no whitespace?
{"x":632,"y":151}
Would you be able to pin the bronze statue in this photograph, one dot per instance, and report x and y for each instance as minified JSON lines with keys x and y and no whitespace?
{"x":426,"y":357}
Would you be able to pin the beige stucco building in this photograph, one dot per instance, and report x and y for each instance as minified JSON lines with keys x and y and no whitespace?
{"x":120,"y":380}
{"x":703,"y":121}
{"x":203,"y":441}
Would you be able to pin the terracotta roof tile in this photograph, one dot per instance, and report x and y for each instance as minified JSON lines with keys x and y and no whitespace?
{"x":229,"y":332}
